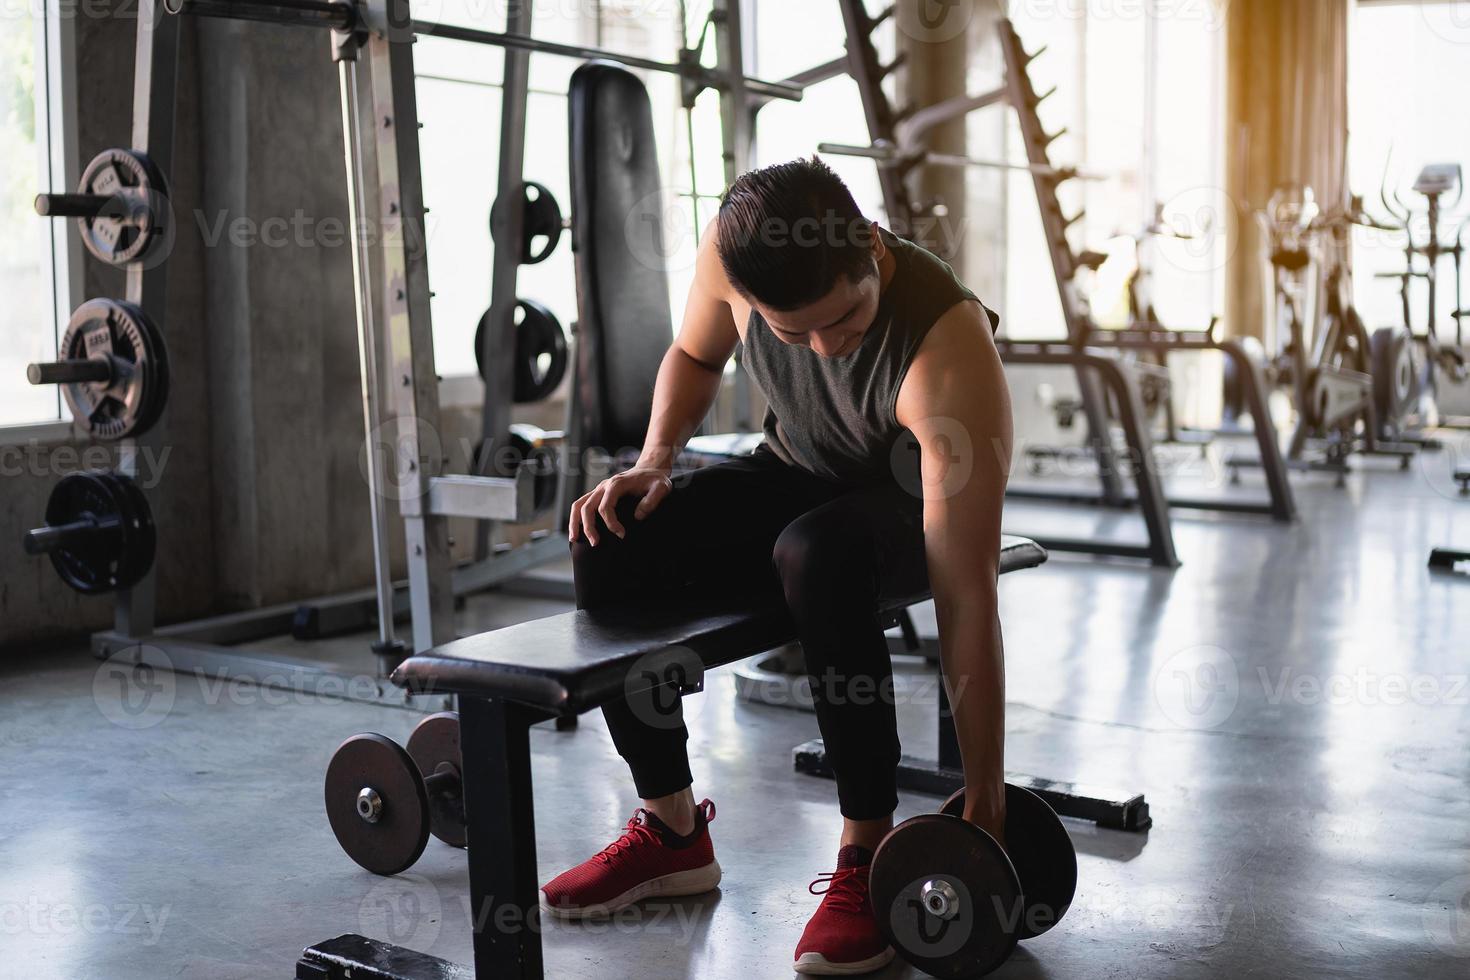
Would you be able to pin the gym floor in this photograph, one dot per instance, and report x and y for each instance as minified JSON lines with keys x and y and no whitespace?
{"x":1292,"y":701}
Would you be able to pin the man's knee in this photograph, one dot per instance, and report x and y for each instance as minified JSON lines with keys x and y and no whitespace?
{"x":819,"y":553}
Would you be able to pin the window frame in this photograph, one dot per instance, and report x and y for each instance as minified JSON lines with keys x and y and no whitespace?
{"x":59,"y":167}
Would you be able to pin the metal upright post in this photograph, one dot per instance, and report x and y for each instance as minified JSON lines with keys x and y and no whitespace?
{"x":388,"y":649}
{"x":404,"y":318}
{"x":505,"y":233}
{"x":155,"y":79}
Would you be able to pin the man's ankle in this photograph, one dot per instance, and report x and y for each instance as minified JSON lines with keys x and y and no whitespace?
{"x":677,"y":811}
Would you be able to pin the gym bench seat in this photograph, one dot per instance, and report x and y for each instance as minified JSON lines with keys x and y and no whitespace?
{"x":508,"y":680}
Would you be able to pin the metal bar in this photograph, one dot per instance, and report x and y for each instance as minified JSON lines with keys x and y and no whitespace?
{"x":704,"y":77}
{"x":70,"y":371}
{"x":917,"y":126}
{"x":1155,"y":511}
{"x":485,"y":498}
{"x":1183,"y":503}
{"x":73,"y":205}
{"x":501,"y":826}
{"x":155,"y":82}
{"x":1106,"y":808}
{"x":389,"y":646}
{"x":296,"y":13}
{"x":1445,"y":559}
{"x":818,"y":73}
{"x":403,"y":318}
{"x":220,"y":667}
{"x":506,"y":226}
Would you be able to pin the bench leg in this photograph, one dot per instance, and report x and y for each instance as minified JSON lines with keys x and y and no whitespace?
{"x":495,"y":739}
{"x":504,"y":888}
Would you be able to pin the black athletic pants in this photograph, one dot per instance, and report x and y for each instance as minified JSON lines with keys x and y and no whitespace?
{"x":757,"y":525}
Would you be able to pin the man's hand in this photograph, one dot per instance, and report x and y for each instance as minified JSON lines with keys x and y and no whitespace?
{"x":650,"y":483}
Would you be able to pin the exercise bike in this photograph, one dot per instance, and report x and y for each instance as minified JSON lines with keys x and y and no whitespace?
{"x":1316,"y":345}
{"x":1438,"y":361}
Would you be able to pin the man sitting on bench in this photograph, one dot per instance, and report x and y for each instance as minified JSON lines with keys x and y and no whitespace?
{"x":863,"y":344}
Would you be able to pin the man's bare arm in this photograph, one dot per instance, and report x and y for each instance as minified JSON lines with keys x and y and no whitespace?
{"x":688,"y":381}
{"x":689,"y":377}
{"x":955,"y":401}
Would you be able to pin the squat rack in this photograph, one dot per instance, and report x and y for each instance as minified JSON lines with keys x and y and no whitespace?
{"x":393,"y":317}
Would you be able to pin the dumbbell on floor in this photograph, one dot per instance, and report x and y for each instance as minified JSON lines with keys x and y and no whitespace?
{"x":954,"y":903}
{"x":383,"y":801}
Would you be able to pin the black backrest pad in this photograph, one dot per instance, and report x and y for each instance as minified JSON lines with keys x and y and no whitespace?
{"x":624,"y":327}
{"x":579,"y":660}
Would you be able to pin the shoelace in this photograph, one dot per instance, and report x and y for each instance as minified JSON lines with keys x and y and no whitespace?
{"x":844,"y":888}
{"x":637,"y":830}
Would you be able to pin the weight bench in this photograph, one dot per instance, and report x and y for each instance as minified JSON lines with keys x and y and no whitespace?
{"x":508,"y":680}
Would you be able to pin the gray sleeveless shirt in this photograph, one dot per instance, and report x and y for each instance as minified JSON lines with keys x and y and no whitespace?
{"x":834,"y":416}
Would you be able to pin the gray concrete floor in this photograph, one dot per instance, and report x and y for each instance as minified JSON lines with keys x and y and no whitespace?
{"x":1293,"y":702}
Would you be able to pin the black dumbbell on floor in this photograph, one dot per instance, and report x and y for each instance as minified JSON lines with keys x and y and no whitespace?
{"x":954,"y":903}
{"x":383,"y":801}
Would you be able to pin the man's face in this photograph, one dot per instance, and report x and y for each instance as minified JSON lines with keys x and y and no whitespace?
{"x":833,"y":325}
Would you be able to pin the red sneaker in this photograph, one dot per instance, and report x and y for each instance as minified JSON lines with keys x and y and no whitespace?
{"x":648,"y":860}
{"x":842,"y":937}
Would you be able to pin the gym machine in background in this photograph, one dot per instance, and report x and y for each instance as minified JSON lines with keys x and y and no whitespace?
{"x":113,"y":368}
{"x":1107,"y":363}
{"x":1439,"y":361}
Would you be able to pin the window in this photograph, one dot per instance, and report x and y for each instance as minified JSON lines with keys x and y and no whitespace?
{"x":459,"y":97}
{"x":37,"y":256}
{"x":1406,"y":71}
{"x":1138,"y":90}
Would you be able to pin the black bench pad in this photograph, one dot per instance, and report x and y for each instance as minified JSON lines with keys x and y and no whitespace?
{"x":579,"y":660}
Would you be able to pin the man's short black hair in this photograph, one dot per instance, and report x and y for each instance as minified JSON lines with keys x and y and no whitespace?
{"x":787,"y":231}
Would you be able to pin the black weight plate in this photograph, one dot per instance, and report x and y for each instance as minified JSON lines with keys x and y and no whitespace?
{"x":434,"y":747}
{"x":540,"y":218}
{"x":398,"y":838}
{"x":126,"y":229}
{"x":89,"y":564}
{"x":541,"y":352}
{"x":1044,"y":858}
{"x":955,"y":805}
{"x":987,"y":896}
{"x":138,"y":536}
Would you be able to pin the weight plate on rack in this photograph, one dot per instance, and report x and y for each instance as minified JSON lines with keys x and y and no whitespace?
{"x":131,"y":227}
{"x":541,"y":351}
{"x":133,"y":398}
{"x":945,"y":896}
{"x":376,"y":804}
{"x":540,"y":219}
{"x":434,"y":747}
{"x":138,"y":536}
{"x":88,"y":563}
